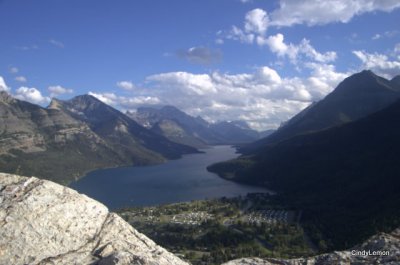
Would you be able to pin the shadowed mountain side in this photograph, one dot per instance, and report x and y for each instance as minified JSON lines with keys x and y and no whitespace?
{"x":236,"y":132}
{"x":395,"y":81}
{"x":193,"y":127}
{"x":176,"y":133}
{"x":355,"y":97}
{"x":346,"y":179}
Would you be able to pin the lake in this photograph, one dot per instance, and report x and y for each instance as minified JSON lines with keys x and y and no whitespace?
{"x":178,"y":180}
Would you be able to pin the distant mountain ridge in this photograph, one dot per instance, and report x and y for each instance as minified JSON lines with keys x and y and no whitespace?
{"x":69,"y":138}
{"x":119,"y":129}
{"x":183,"y":128}
{"x":355,"y":97}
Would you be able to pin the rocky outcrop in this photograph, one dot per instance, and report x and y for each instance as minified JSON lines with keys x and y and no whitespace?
{"x":379,"y":249}
{"x":45,"y":223}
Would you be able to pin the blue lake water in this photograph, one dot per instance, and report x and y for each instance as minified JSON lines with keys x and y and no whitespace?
{"x":179,"y":180}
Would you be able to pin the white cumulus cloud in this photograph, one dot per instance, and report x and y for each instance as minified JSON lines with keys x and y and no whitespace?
{"x":14,"y":70}
{"x":397,"y":48}
{"x":192,"y":84}
{"x":316,"y":12}
{"x":59,"y":90}
{"x":127,"y":85}
{"x":256,"y":21}
{"x":263,"y":98}
{"x":386,"y":34}
{"x":278,"y":46}
{"x":32,"y":95}
{"x":125,"y":103}
{"x":21,"y":79}
{"x":323,"y":79}
{"x":238,"y":34}
{"x":380,"y":64}
{"x":56,"y":43}
{"x":255,"y":24}
{"x":269,"y":75}
{"x":3,"y":85}
{"x":108,"y":98}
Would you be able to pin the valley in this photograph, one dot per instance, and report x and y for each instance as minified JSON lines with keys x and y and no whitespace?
{"x":219,"y":230}
{"x":69,"y":138}
{"x":178,"y":180}
{"x":229,"y":132}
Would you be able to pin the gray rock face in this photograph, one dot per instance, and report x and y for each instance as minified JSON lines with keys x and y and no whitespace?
{"x":379,"y":249}
{"x":30,"y":128}
{"x":45,"y":223}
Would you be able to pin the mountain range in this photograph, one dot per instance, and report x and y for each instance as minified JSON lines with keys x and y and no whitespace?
{"x":355,"y":97}
{"x":68,"y":138}
{"x":194,"y":131}
{"x":336,"y":161}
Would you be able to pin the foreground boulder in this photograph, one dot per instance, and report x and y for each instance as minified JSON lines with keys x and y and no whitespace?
{"x":45,"y":223}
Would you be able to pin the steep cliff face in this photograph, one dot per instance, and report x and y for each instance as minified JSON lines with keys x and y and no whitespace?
{"x":49,"y":143}
{"x":45,"y":223}
{"x":30,"y":128}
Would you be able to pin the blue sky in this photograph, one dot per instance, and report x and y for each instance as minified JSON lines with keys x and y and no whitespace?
{"x":260,"y":61}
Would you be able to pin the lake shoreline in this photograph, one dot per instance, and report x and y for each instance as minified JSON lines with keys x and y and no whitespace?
{"x":181,"y":180}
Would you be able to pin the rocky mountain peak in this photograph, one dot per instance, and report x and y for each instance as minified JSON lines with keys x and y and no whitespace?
{"x":396,"y":81}
{"x":367,"y":73}
{"x":355,"y":97}
{"x":91,"y":109}
{"x":5,"y":97}
{"x":362,"y":82}
{"x":86,"y":101}
{"x":45,"y":223}
{"x":172,"y":110}
{"x":55,"y":104}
